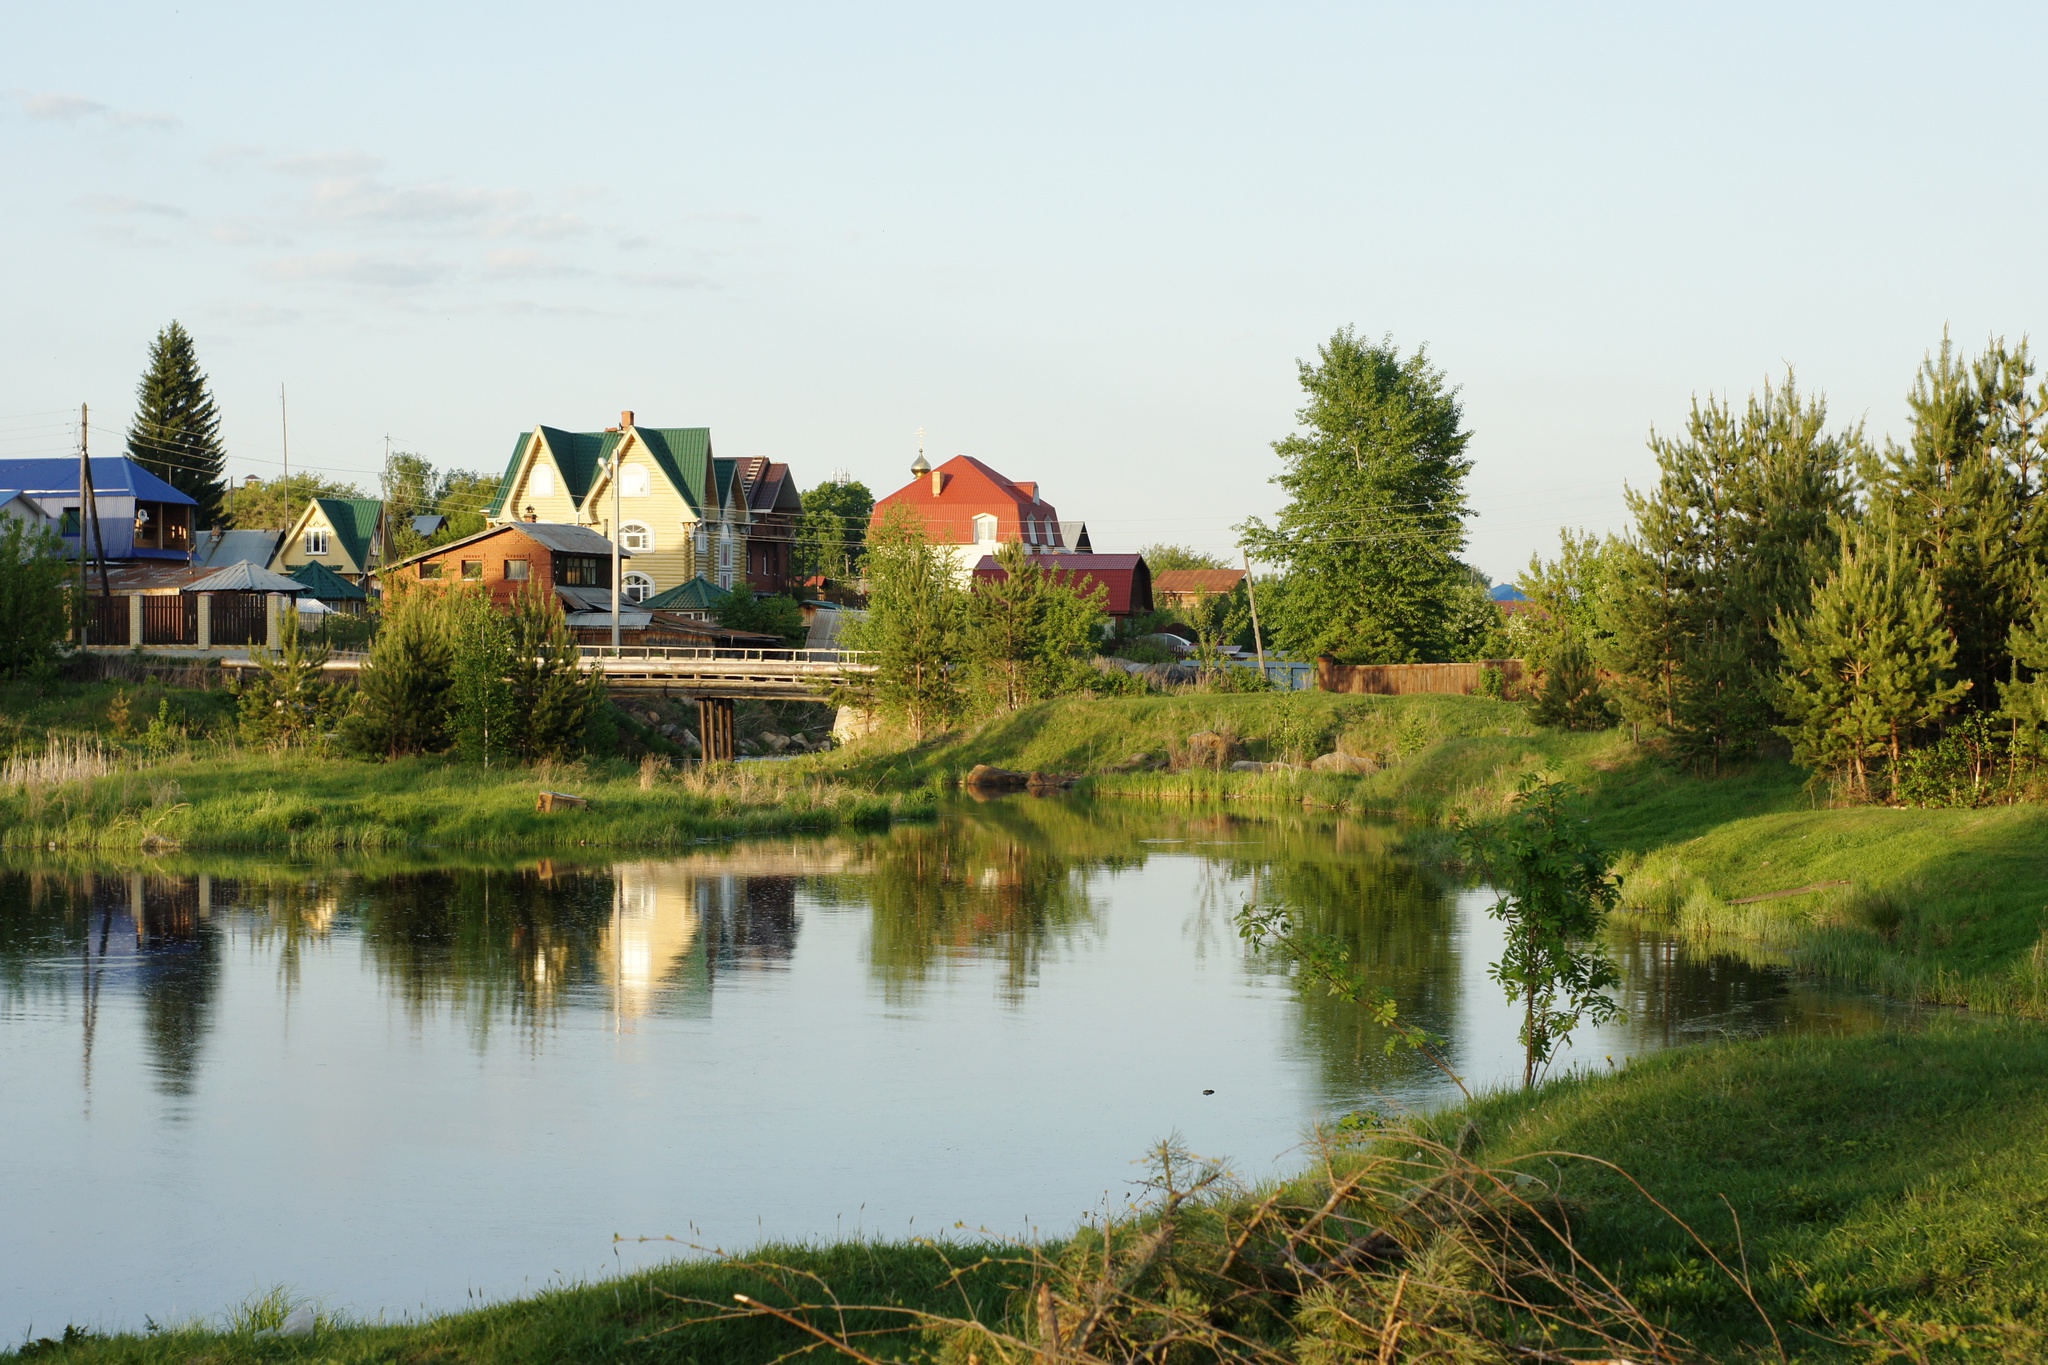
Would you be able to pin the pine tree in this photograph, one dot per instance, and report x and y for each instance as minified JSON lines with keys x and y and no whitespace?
{"x":1022,"y":634}
{"x":1966,"y":493}
{"x":1871,"y":664}
{"x":1570,"y":697}
{"x":1734,"y":536}
{"x":2023,"y":696}
{"x":548,"y":689}
{"x":1374,"y":523}
{"x":176,"y":431}
{"x":403,"y":691}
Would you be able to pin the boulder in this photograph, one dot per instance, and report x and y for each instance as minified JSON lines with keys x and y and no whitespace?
{"x":1343,"y":763}
{"x":1246,"y":765}
{"x":1040,"y":784}
{"x":774,"y":743}
{"x":988,"y":779}
{"x":688,"y":739}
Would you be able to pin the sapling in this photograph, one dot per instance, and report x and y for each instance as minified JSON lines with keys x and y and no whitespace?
{"x":1557,"y":892}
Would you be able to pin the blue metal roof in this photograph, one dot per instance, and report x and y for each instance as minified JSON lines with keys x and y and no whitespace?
{"x":114,"y":475}
{"x":1507,"y":592}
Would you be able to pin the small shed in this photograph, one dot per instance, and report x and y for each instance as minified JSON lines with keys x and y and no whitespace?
{"x":330,"y":589}
{"x":697,"y":599}
{"x":1128,"y":581}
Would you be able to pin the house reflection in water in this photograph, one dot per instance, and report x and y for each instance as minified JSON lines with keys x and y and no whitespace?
{"x":157,"y":932}
{"x":676,"y":926}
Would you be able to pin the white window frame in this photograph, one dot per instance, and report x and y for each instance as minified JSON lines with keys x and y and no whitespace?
{"x":541,"y":482}
{"x":636,"y":588}
{"x":317,"y":540}
{"x":984,"y":523}
{"x":633,"y":481}
{"x":636,"y":536}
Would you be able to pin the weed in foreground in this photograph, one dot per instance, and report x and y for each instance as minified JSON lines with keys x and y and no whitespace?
{"x":1400,"y":1247}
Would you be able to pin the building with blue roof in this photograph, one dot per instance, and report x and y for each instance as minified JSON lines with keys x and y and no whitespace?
{"x":140,"y":516}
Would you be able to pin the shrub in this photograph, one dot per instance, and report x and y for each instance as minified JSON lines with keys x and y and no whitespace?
{"x":32,"y":615}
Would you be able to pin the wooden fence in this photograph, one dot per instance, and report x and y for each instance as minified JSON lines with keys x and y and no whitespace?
{"x":170,"y":619}
{"x":239,"y":618}
{"x":1399,"y":680}
{"x":106,"y":620}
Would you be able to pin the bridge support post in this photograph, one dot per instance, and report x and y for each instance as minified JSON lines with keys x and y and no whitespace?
{"x":715,"y":729}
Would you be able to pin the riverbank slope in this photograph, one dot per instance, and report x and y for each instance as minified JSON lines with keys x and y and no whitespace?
{"x":1892,"y":1178}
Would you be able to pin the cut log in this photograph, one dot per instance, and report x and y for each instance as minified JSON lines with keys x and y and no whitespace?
{"x":550,"y":802}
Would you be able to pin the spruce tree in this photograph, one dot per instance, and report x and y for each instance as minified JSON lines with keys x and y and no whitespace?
{"x":403,"y":692}
{"x":1737,"y":531}
{"x":1375,"y":519}
{"x":1966,"y":492}
{"x":2023,"y":696}
{"x":176,"y":431}
{"x":1872,"y":664}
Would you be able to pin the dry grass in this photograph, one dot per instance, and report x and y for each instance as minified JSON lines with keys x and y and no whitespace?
{"x":1399,"y":1247}
{"x":61,"y":761}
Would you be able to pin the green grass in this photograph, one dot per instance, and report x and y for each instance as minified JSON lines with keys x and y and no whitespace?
{"x":1899,"y":1173}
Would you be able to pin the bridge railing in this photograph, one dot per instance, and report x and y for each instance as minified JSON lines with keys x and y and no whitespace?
{"x":711,"y":653}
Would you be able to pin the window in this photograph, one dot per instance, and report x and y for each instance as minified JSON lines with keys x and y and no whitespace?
{"x":633,"y":535}
{"x":579,"y":571}
{"x":517,"y":570}
{"x":541,"y":481}
{"x":724,"y":553}
{"x":67,"y":523}
{"x":473,"y":570}
{"x":316,"y":540}
{"x":633,"y":483}
{"x":637,"y":587}
{"x":431,"y":570}
{"x":1030,"y":531}
{"x":984,"y":528}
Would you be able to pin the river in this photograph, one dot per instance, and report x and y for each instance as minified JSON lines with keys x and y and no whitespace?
{"x":404,"y":1086}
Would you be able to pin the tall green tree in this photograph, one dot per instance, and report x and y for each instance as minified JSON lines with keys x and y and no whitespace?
{"x":1165,"y":558}
{"x":832,"y":537}
{"x":1739,"y":528}
{"x":1024,"y":635}
{"x":1370,"y":536}
{"x":33,"y":577}
{"x":481,"y":710}
{"x":554,"y":699}
{"x":268,"y":505}
{"x":2023,"y":696}
{"x":1871,"y":664}
{"x":175,"y":433}
{"x":912,"y":629}
{"x":1966,"y":494}
{"x":403,"y":693}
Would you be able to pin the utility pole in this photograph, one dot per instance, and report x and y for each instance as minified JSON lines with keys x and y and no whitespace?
{"x":615,"y":547}
{"x":90,"y":497}
{"x":84,"y":483}
{"x":284,"y":432}
{"x":1258,"y":638}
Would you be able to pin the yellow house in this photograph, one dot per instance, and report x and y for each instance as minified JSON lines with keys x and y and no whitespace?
{"x":348,"y":535}
{"x":679,"y":510}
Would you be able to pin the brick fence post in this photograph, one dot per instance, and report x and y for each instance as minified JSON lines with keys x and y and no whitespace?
{"x":135,"y":620}
{"x":272,"y":624}
{"x":206,"y":620}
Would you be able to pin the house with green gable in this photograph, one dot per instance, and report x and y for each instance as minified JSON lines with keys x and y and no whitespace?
{"x":674,"y":506}
{"x":348,"y":536}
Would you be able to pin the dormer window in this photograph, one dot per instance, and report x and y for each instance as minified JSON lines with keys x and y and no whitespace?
{"x":542,"y":481}
{"x":316,"y":540}
{"x":984,"y":529}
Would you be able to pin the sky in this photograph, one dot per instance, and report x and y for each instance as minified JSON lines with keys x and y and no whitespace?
{"x":1087,"y":244}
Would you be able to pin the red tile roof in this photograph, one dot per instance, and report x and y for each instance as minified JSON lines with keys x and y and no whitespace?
{"x":1128,"y":580}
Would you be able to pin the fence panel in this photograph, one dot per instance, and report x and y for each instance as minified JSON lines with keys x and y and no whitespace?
{"x":170,"y":619}
{"x":1400,"y":680}
{"x":239,"y":618}
{"x":106,"y":620}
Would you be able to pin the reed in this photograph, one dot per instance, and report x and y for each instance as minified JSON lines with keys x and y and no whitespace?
{"x":61,"y":761}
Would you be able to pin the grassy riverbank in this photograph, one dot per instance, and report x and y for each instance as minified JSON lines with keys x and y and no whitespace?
{"x":1897,"y":1173}
{"x":1939,"y":905}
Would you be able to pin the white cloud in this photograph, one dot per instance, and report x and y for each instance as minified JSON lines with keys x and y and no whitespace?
{"x":355,"y":267}
{"x":667,"y":279}
{"x":361,"y":199}
{"x":58,"y":108}
{"x":327,"y":163}
{"x":122,"y":205}
{"x":527,"y":264}
{"x":541,"y":227}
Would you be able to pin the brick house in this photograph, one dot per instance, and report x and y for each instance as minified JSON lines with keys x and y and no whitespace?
{"x":970,"y":509}
{"x":573,"y":560}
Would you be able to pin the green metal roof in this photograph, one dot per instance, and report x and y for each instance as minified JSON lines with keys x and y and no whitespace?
{"x":326,"y":584}
{"x":727,"y":471}
{"x":699,"y":594}
{"x":683,"y":453}
{"x":355,"y":521}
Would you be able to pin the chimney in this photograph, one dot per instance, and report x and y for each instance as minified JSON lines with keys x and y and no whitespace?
{"x":529,"y":514}
{"x":625,"y":419}
{"x":938,"y":483}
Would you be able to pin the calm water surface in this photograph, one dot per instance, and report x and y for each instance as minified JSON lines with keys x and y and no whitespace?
{"x":396,"y":1088}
